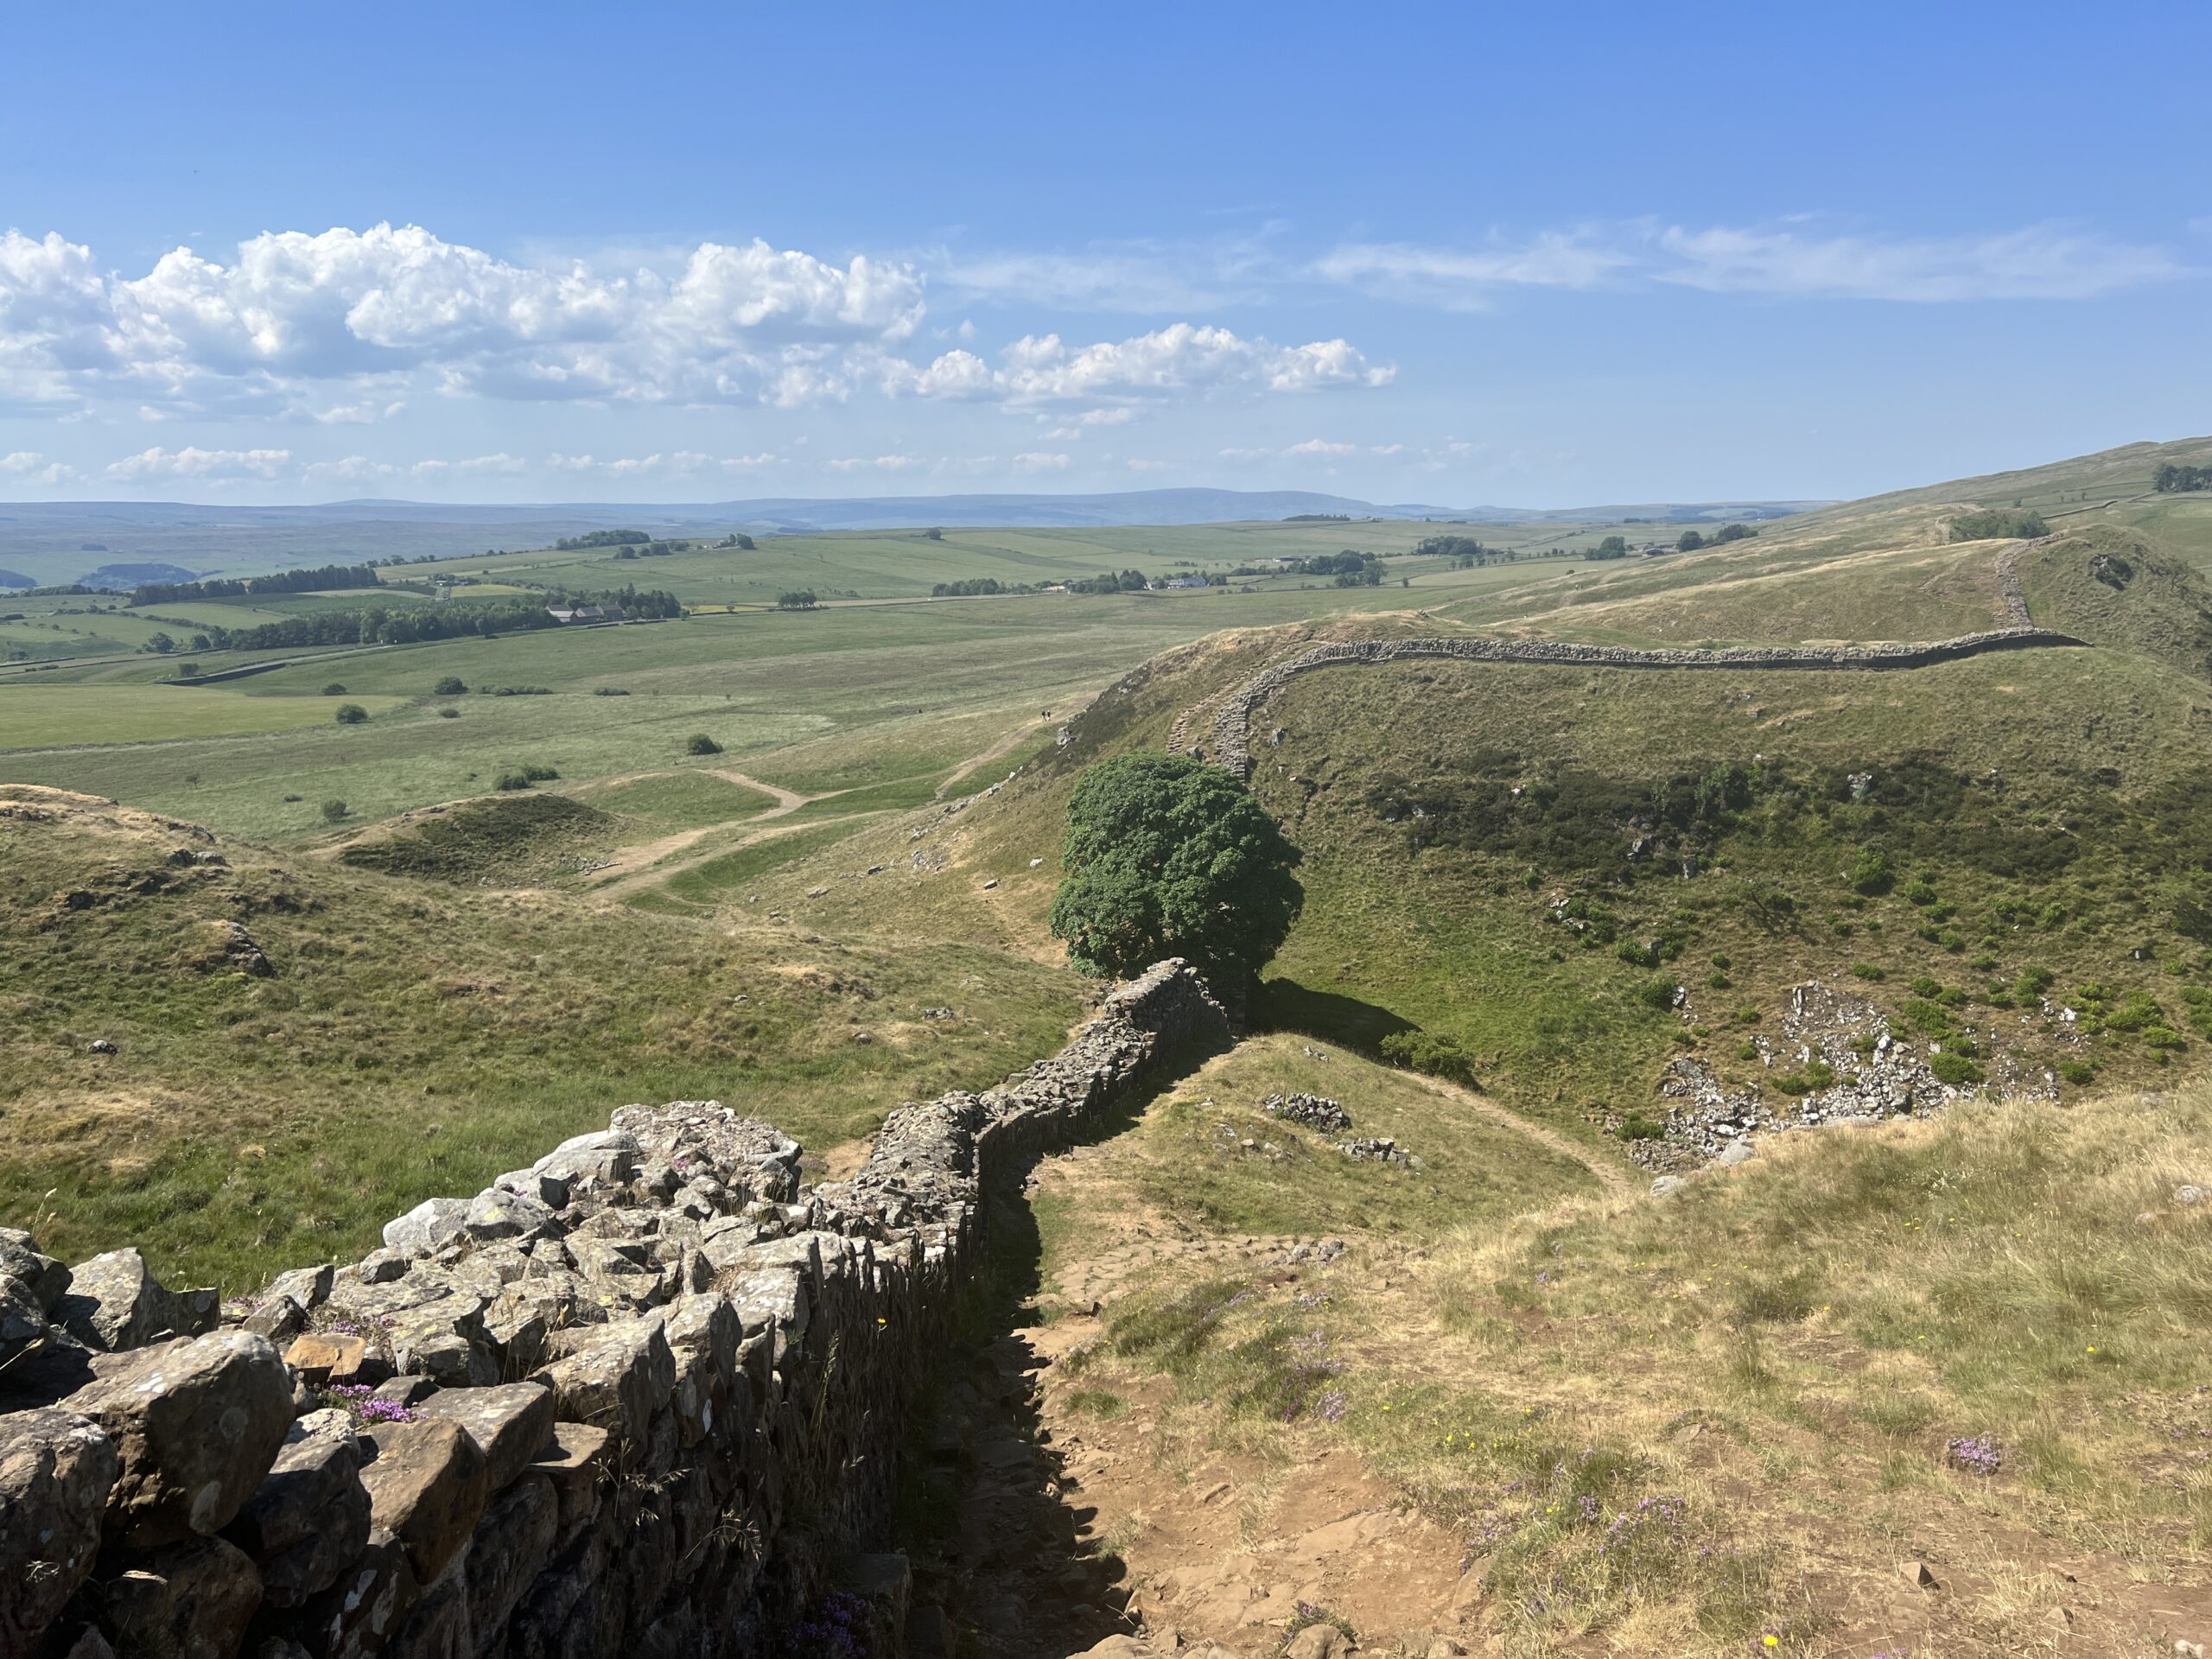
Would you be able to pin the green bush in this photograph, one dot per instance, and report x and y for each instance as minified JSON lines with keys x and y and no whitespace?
{"x":1658,"y":994}
{"x":1868,"y":970}
{"x":1919,"y":891}
{"x":1636,"y":1126}
{"x":609,"y":691}
{"x":1636,"y":954}
{"x":451,"y":686}
{"x":1420,"y":1051}
{"x":449,"y":714}
{"x":2077,"y":1071}
{"x":334,"y":811}
{"x":1954,"y":1069}
{"x":700,"y":743}
{"x":1871,"y":872}
{"x":512,"y":780}
{"x":351,"y":714}
{"x":1923,"y":985}
{"x":334,"y":689}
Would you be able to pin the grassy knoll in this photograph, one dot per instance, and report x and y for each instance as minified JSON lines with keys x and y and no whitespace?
{"x":1206,"y":1153}
{"x":413,"y":1039}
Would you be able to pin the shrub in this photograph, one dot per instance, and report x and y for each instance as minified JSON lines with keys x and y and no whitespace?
{"x":2077,"y":1071}
{"x":1923,"y":985}
{"x":1637,"y":954}
{"x":512,"y":780}
{"x":451,"y":686}
{"x":1658,"y":994}
{"x":1421,"y":1051}
{"x":536,"y":774}
{"x":1636,"y":1126}
{"x":1954,"y":1069}
{"x":351,"y":714}
{"x":1918,"y":891}
{"x":700,"y":743}
{"x":1868,"y":970}
{"x":609,"y":691}
{"x":1871,"y":872}
{"x":449,"y":714}
{"x":334,"y":811}
{"x":334,"y":689}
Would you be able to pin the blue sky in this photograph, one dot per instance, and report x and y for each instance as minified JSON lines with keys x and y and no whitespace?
{"x":1457,"y":254}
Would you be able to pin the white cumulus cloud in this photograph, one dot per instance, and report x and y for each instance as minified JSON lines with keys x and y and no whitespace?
{"x":1183,"y":356}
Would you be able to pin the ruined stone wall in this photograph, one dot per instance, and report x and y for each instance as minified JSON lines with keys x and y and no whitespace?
{"x":643,"y":1397}
{"x":1229,"y":738}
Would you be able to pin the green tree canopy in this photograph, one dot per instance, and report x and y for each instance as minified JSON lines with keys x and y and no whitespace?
{"x":1168,"y":856}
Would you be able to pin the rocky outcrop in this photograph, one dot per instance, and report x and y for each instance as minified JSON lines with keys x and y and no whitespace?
{"x":1228,"y":731}
{"x":646,"y":1395}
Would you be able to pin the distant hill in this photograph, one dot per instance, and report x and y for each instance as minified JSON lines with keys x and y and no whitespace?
{"x":16,"y":579}
{"x":121,"y":578}
{"x":51,"y":540}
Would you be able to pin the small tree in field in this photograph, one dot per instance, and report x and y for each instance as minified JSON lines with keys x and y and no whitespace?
{"x":351,"y":714}
{"x":1168,"y":856}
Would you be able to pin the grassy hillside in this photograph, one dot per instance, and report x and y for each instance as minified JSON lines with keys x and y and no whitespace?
{"x":407,"y":1038}
{"x":1733,"y":1420}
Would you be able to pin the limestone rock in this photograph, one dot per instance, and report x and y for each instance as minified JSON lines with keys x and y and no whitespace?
{"x":22,"y":1259}
{"x":278,"y":1320}
{"x":196,"y":1424}
{"x":605,"y":1157}
{"x":621,"y":1375}
{"x":358,"y":1615}
{"x":309,"y":1517}
{"x":1319,"y":1642}
{"x":23,"y":1321}
{"x":115,"y":1302}
{"x":496,"y":1213}
{"x":430,"y":1225}
{"x":322,"y":1357}
{"x":308,"y":1286}
{"x":427,"y":1488}
{"x":56,"y":1470}
{"x":510,"y":1424}
{"x":183,"y":1601}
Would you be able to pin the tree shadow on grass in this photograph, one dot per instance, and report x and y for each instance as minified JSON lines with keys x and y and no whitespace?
{"x":1286,"y":1005}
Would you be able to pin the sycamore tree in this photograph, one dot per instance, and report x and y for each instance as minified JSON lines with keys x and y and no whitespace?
{"x":1167,"y":856}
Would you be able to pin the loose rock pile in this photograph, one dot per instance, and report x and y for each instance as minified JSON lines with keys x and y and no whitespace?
{"x":1314,"y":1111}
{"x":1877,"y":1075}
{"x":1379,"y":1149}
{"x":639,"y":1397}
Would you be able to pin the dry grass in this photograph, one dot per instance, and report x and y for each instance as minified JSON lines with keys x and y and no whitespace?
{"x":1682,"y":1425}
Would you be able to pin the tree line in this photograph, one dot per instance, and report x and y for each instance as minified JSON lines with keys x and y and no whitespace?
{"x":322,"y":578}
{"x":375,"y":626}
{"x":2170,"y":478}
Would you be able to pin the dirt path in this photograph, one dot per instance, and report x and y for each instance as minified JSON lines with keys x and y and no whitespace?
{"x":1005,"y":745}
{"x":1614,"y":1183}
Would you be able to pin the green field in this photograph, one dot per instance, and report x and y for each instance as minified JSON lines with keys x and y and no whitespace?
{"x":48,"y":715}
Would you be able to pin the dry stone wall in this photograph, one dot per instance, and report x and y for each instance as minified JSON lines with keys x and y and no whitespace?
{"x":643,"y":1397}
{"x":1228,"y":735}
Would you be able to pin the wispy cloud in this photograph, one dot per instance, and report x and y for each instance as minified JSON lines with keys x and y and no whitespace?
{"x":1798,"y":257}
{"x":1145,"y":277}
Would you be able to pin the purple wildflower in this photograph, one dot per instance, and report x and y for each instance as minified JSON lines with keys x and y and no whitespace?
{"x":1981,"y":1455}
